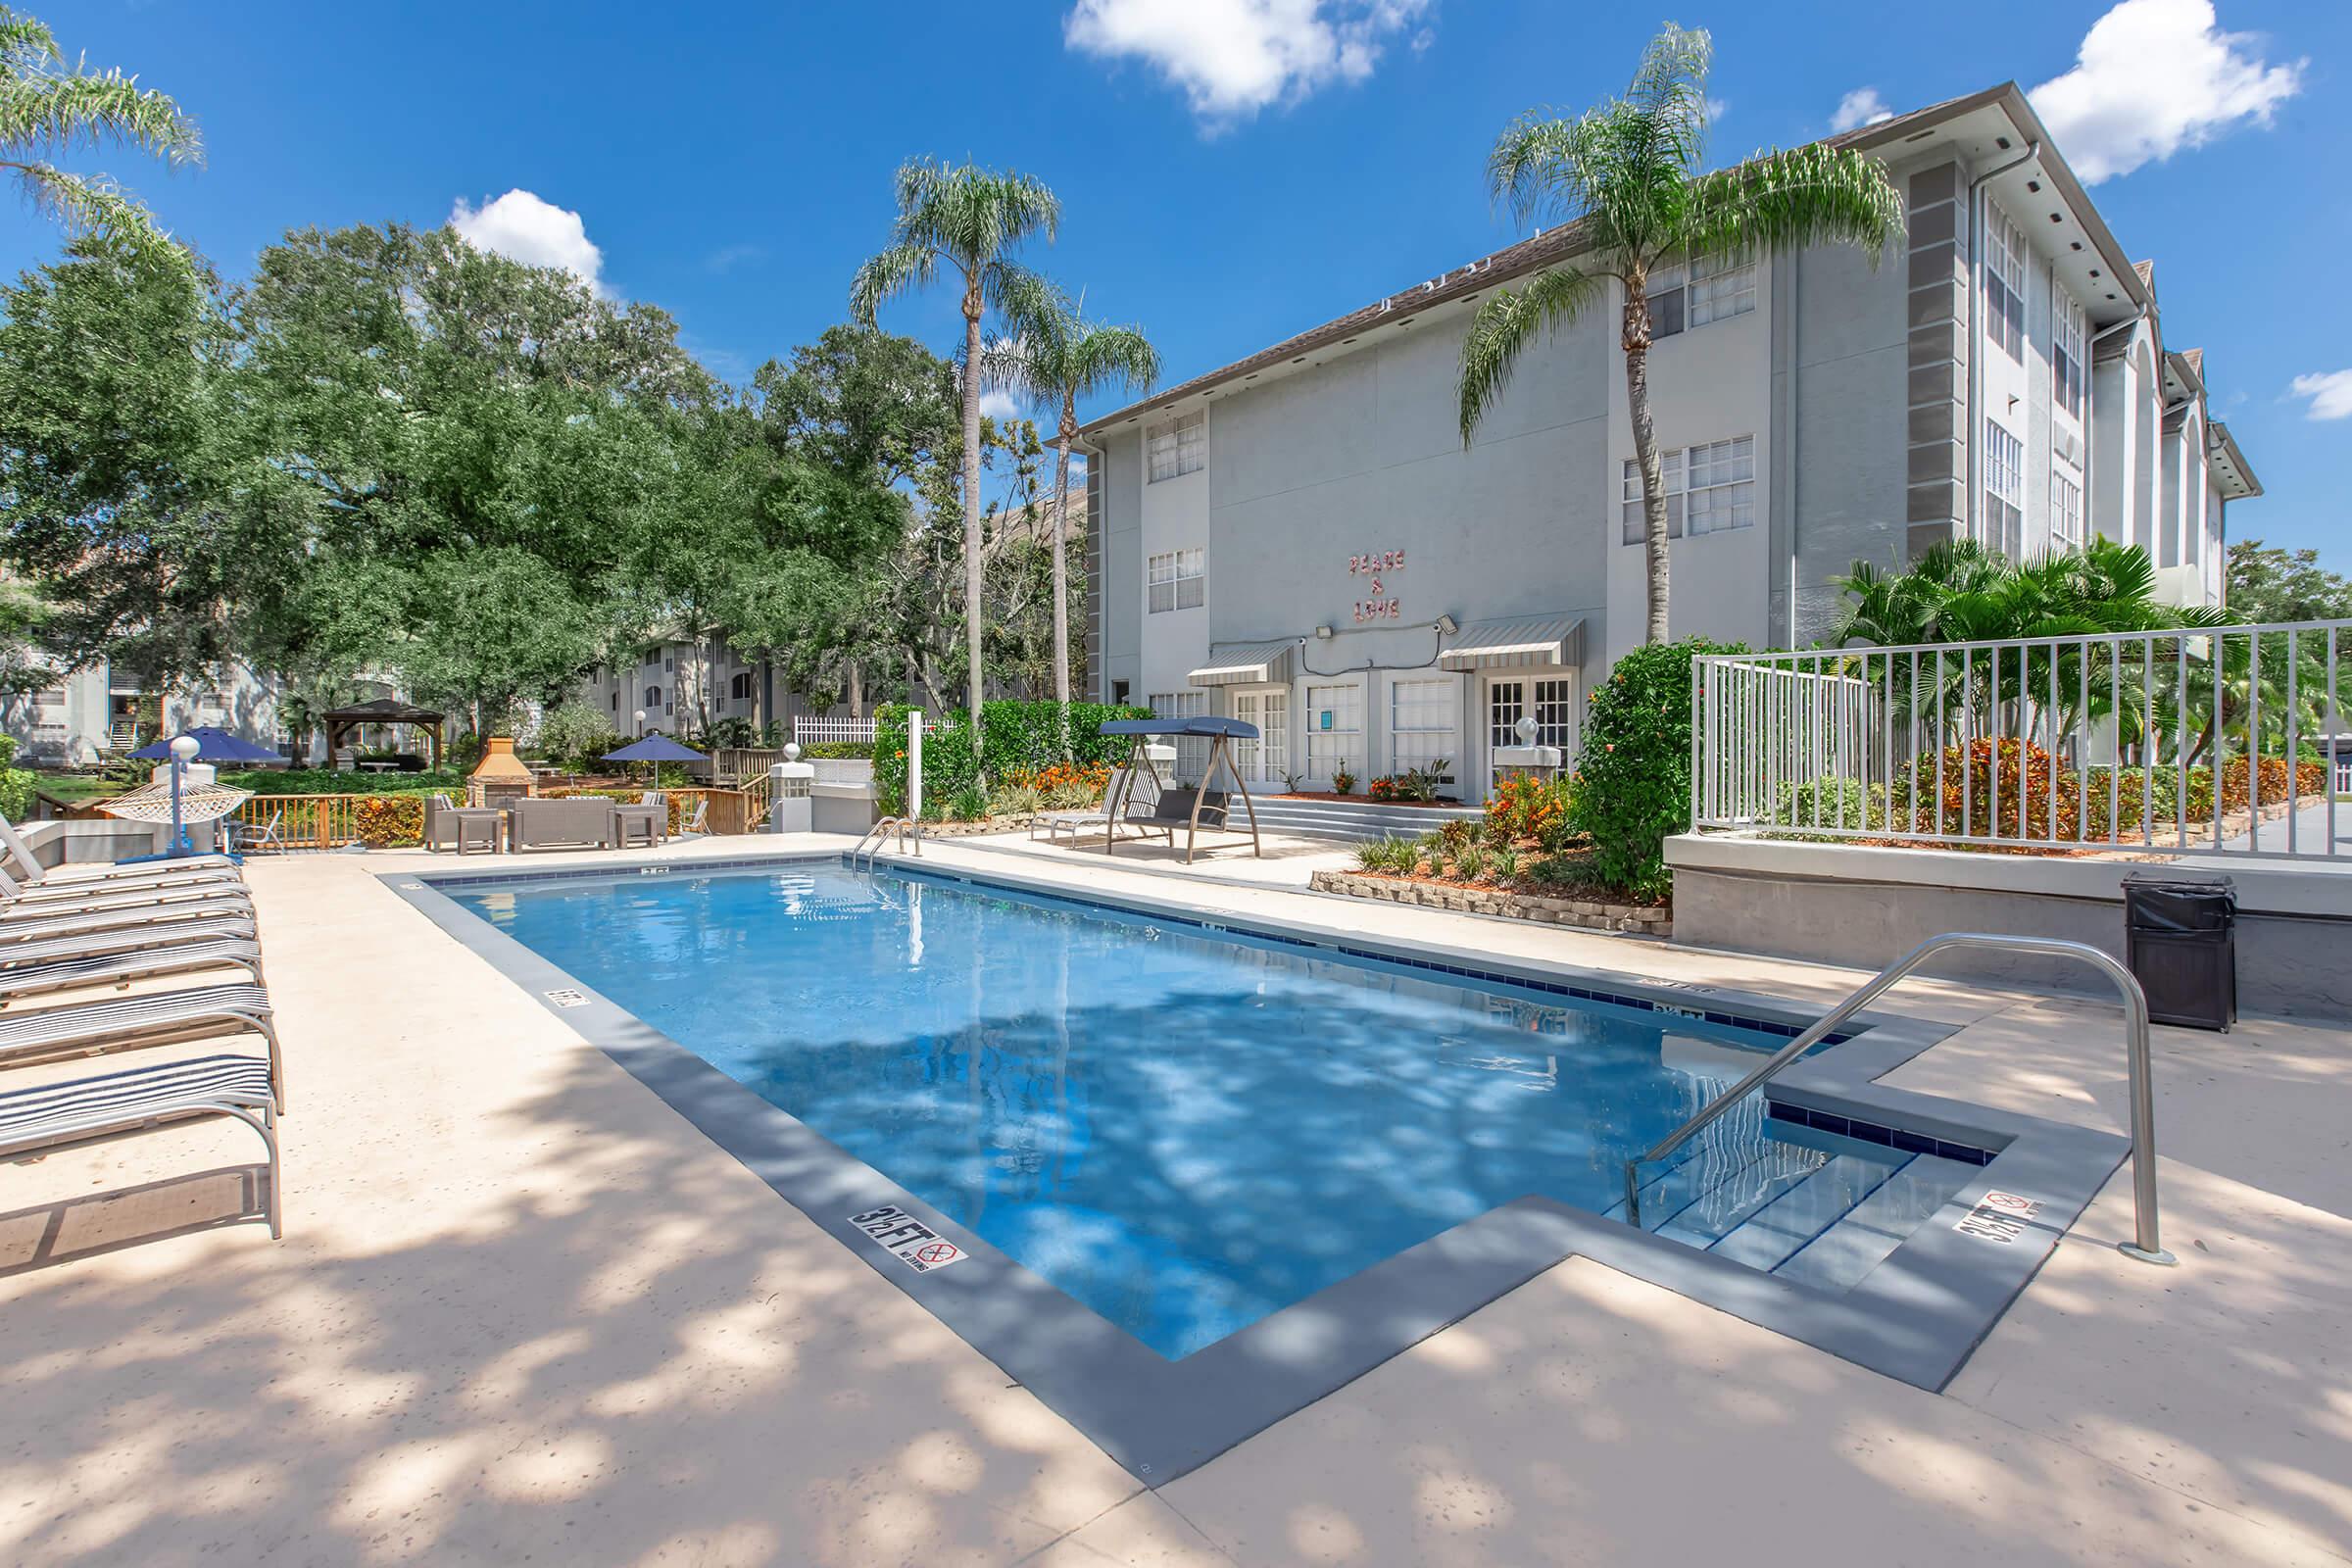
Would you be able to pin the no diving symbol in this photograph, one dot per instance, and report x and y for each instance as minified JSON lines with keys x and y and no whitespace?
{"x":938,"y":1253}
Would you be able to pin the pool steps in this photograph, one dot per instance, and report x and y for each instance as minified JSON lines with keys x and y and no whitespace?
{"x":1805,"y":1205}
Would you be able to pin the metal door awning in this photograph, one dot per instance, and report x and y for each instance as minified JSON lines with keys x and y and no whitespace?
{"x":1520,"y":640}
{"x":1252,"y":664}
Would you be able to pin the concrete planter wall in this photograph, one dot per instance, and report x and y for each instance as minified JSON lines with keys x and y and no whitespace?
{"x":1592,"y":914}
{"x":1865,"y":908}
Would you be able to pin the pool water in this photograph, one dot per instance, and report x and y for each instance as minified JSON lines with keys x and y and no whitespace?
{"x":1185,"y":1130}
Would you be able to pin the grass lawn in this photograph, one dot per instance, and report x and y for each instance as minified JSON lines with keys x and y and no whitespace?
{"x":76,"y":786}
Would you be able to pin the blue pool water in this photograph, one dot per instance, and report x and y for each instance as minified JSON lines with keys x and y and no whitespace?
{"x":1184,"y":1131}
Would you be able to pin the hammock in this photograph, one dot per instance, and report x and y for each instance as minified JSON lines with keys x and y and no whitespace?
{"x":198,"y":802}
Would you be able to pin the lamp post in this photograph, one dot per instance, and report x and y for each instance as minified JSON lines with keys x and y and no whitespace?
{"x":183,"y":751}
{"x":640,"y":735}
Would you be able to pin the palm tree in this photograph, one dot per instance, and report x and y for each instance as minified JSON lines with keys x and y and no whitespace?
{"x":1628,"y":172}
{"x":47,"y":106}
{"x":968,"y":221}
{"x":1051,"y":358}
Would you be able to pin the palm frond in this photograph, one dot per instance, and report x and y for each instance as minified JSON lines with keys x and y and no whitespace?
{"x":899,"y":270}
{"x":972,"y":213}
{"x":1669,"y":93}
{"x":1112,"y":356}
{"x":44,"y":112}
{"x":1544,"y":169}
{"x":97,"y":206}
{"x":1785,"y":201}
{"x":25,"y":44}
{"x":1507,"y":322}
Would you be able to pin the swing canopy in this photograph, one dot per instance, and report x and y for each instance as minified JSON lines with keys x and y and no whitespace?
{"x":1232,"y":729}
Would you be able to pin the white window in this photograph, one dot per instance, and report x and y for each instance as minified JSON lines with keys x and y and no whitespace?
{"x":2066,"y":514}
{"x":2004,"y":491}
{"x":1266,"y":759}
{"x":1335,"y":730}
{"x":2005,"y":283}
{"x":1178,"y":447}
{"x":2068,"y":335}
{"x":1709,"y":489}
{"x":1424,"y":721}
{"x":1509,"y":701}
{"x":1708,"y":289}
{"x":51,"y":697}
{"x":1179,"y":580}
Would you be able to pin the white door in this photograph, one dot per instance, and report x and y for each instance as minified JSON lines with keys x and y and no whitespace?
{"x":1335,"y":732}
{"x":1263,"y":760}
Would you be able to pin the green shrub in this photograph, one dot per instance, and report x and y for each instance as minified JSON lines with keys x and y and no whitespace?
{"x":969,"y":805}
{"x":1014,"y":800}
{"x":1343,"y":782}
{"x":1397,"y":857}
{"x":1632,"y":780}
{"x":1016,"y":735}
{"x":326,"y":781}
{"x":859,"y":749}
{"x":1504,"y":863}
{"x":1470,"y":861}
{"x":1458,"y":835}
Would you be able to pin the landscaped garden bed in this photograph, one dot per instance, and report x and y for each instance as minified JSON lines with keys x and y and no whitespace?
{"x":1594,"y":914}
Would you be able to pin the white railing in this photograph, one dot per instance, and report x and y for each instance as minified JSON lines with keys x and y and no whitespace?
{"x":833,"y":731}
{"x":2213,"y":740}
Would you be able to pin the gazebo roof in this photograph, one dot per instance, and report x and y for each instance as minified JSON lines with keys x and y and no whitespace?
{"x":383,"y":710}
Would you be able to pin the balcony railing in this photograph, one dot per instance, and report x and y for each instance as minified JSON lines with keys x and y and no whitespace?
{"x":2217,"y":741}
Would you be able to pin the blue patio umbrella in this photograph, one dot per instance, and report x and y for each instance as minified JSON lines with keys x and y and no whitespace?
{"x":213,"y":745}
{"x":656,"y":748}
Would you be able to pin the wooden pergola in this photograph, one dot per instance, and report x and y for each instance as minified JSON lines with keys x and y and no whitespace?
{"x":341,"y":721}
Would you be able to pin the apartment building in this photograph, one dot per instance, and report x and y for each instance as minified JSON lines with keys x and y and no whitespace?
{"x":1299,"y":538}
{"x":685,"y":685}
{"x":87,"y":712}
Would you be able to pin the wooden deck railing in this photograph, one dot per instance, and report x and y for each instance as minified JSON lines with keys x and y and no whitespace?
{"x":331,"y":821}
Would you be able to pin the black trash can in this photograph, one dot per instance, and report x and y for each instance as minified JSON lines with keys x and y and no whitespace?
{"x":2180,"y":940}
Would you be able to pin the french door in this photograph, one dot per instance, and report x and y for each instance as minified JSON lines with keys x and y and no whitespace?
{"x":1265,"y":760}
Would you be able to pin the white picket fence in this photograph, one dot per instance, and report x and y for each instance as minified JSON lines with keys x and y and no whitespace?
{"x":833,"y":731}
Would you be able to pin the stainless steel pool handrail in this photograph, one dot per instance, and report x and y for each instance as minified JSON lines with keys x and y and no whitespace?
{"x":889,"y":829}
{"x":2144,"y":1245}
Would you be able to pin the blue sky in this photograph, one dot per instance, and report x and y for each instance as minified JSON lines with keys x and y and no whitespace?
{"x":1232,"y":171}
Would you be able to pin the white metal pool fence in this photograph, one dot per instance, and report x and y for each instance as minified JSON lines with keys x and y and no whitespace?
{"x":2218,"y":740}
{"x":833,"y":731}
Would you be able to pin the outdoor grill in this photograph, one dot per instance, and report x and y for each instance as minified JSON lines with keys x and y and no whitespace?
{"x":499,"y":778}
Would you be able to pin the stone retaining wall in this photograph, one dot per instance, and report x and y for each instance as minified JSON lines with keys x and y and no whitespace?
{"x":1594,"y":914}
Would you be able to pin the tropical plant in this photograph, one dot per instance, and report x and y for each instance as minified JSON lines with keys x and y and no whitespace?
{"x":1343,"y":782}
{"x":1503,"y":862}
{"x":967,"y":221}
{"x":1051,"y":358}
{"x":1470,"y":862}
{"x":1632,"y":778}
{"x":47,"y":105}
{"x":1628,"y":172}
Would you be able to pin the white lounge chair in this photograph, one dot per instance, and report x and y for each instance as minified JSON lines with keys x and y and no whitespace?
{"x":120,"y":968}
{"x":143,"y":1022}
{"x":86,"y":1110}
{"x":61,"y":921}
{"x":88,"y":942}
{"x":18,"y":902}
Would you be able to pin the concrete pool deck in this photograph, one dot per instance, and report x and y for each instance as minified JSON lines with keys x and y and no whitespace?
{"x":523,"y":1309}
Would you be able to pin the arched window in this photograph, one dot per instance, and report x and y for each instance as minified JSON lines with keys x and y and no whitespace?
{"x":653,"y":696}
{"x":741,"y":686}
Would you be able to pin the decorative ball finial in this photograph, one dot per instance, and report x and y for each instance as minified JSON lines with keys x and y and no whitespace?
{"x":792,"y":751}
{"x":1528,"y":729}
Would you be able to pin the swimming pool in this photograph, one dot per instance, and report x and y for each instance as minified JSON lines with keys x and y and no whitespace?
{"x":1188,"y":1130}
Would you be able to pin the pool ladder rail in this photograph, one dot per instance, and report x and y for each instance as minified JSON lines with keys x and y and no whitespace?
{"x":2144,"y":1244}
{"x":891,"y":830}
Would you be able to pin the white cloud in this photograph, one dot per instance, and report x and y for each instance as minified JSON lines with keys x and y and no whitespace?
{"x":997,"y":404}
{"x":1861,"y":107}
{"x":1233,"y":58}
{"x":535,"y":232}
{"x":2330,"y":394}
{"x":1716,"y":109}
{"x":2154,"y":76}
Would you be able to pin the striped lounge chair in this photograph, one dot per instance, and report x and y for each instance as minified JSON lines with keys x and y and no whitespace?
{"x":87,"y":1110}
{"x":144,"y":1021}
